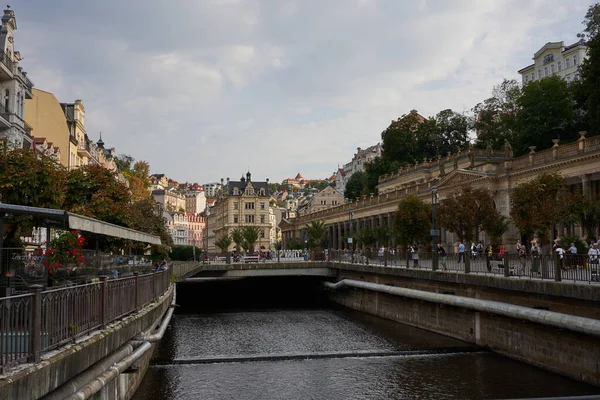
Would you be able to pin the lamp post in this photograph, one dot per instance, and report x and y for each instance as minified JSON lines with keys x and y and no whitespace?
{"x":435,"y":233}
{"x":350,"y":239}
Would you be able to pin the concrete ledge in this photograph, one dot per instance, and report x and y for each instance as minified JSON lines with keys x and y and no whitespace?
{"x":56,"y":368}
{"x":581,"y":291}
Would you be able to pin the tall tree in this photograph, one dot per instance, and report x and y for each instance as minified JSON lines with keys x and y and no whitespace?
{"x":495,"y":117}
{"x":536,"y":205}
{"x":251,"y":236}
{"x":590,"y":69}
{"x":143,"y":217}
{"x":412,"y":220}
{"x":223,"y":243}
{"x":356,"y":186}
{"x":546,"y":113}
{"x":238,"y":238}
{"x":401,"y":140}
{"x":317,"y":235}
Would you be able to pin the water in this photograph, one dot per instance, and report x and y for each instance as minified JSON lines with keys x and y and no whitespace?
{"x":195,"y":338}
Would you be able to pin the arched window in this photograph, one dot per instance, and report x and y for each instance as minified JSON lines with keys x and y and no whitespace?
{"x":6,"y":99}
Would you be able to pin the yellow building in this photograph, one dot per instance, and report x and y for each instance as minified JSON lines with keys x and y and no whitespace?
{"x":239,"y":204}
{"x":47,"y":119}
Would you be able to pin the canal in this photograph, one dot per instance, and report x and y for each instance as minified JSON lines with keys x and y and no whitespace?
{"x":266,"y":339}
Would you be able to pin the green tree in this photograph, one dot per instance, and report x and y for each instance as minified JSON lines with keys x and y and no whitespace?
{"x":448,"y":132}
{"x":294,"y":243}
{"x":536,"y":205}
{"x":238,"y":238}
{"x":367,"y":237}
{"x":356,"y":186}
{"x":223,"y":243}
{"x":412,"y":220}
{"x":401,"y":139}
{"x":317,"y":235}
{"x":376,"y":168}
{"x":467,"y":213}
{"x":94,"y":191}
{"x":546,"y":113}
{"x":251,"y":236}
{"x":495,"y":118}
{"x":144,"y":217}
{"x":495,"y":226}
{"x":185,"y":253}
{"x":590,"y":69}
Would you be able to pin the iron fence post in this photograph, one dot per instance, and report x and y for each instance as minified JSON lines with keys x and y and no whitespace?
{"x":137,"y":302}
{"x":154,"y":286}
{"x":506,"y":264}
{"x":104,"y":301}
{"x":557,"y":270}
{"x":35,"y":326}
{"x":467,"y":261}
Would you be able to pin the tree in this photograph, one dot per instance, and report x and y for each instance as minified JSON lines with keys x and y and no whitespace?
{"x":251,"y":236}
{"x":223,"y":243}
{"x":401,"y":139}
{"x":28,"y":178}
{"x":495,"y":117}
{"x":356,"y":186}
{"x":294,"y":243}
{"x":143,"y":217}
{"x":124,"y":162}
{"x":367,"y":237}
{"x":448,"y":132}
{"x":536,"y":205}
{"x":495,"y":226}
{"x":317,"y":235}
{"x":238,"y":238}
{"x":412,"y":220}
{"x":376,"y":168}
{"x":590,"y":69}
{"x":546,"y":113}
{"x":94,"y":191}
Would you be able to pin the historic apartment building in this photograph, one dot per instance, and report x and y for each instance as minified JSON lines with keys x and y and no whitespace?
{"x":15,"y":87}
{"x":554,"y":58}
{"x":496,"y":171}
{"x":238,"y":204}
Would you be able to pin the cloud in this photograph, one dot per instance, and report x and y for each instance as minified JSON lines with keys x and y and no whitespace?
{"x":204,"y":90}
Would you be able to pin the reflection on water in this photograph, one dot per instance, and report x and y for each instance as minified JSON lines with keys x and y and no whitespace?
{"x":450,"y":376}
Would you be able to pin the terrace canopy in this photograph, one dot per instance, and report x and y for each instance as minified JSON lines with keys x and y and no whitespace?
{"x":52,"y":218}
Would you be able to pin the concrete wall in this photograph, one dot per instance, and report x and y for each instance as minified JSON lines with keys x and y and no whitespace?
{"x":38,"y":380}
{"x":572,"y":354}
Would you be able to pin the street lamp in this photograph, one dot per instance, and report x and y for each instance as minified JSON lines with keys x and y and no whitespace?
{"x":350,"y":240}
{"x":434,"y":231}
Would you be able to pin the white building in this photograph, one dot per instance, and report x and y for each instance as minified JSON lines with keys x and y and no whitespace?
{"x":360,"y":158}
{"x":15,"y":87}
{"x":210,"y":189}
{"x":554,"y":58}
{"x":195,"y":202}
{"x":177,"y":225}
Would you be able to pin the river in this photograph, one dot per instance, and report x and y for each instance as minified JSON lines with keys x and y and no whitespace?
{"x":330,"y":353}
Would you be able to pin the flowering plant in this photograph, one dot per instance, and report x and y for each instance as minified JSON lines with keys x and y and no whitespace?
{"x":64,"y":249}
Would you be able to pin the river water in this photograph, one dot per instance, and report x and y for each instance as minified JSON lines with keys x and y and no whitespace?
{"x":330,"y":353}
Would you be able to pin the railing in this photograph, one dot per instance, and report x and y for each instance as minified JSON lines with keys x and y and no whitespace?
{"x":6,"y":60}
{"x":578,"y":268}
{"x":42,"y":321}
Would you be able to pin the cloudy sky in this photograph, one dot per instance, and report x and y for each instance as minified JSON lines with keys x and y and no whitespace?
{"x":205,"y":89}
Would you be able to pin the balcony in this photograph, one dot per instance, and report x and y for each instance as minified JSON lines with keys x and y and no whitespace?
{"x":74,"y":140}
{"x":5,"y":114}
{"x":83,"y":150}
{"x":7,"y":66}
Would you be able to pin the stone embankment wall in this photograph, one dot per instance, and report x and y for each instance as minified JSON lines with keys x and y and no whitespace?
{"x":569,"y":353}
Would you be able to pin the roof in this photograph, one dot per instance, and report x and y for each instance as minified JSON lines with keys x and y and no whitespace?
{"x":526,"y":68}
{"x":241,"y":186}
{"x":299,"y":176}
{"x":67,"y":220}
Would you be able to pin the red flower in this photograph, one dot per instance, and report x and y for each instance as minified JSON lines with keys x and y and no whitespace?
{"x":56,"y":264}
{"x":81,"y":258}
{"x":80,"y":241}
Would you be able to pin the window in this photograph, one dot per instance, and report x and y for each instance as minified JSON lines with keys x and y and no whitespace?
{"x":575,"y":59}
{"x":526,"y":78}
{"x":235,"y":219}
{"x":235,"y":205}
{"x":262,"y":206}
{"x":552,"y":68}
{"x":249,"y":219}
{"x":545,"y":71}
{"x":249,"y":206}
{"x":568,"y":62}
{"x":539,"y":74}
{"x":559,"y":66}
{"x":262,"y":219}
{"x":262,"y":235}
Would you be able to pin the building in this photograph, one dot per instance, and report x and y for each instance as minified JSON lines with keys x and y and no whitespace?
{"x":358,"y":162}
{"x":210,"y":189}
{"x":15,"y":87}
{"x":326,"y":198}
{"x":196,"y":229}
{"x":47,"y":148}
{"x":239,"y":204}
{"x":177,"y":226}
{"x":554,"y":58}
{"x":170,"y":199}
{"x":195,"y":202}
{"x":495,"y":171}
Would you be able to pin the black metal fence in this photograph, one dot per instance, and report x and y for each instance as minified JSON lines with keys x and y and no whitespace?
{"x":41,"y":321}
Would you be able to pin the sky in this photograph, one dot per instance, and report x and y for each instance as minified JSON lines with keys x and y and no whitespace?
{"x":207,"y":89}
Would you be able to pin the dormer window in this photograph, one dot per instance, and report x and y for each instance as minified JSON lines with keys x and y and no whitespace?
{"x":236,"y":191}
{"x":250,"y":192}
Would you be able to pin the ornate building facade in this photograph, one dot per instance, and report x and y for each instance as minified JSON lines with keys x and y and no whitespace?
{"x":496,"y":171}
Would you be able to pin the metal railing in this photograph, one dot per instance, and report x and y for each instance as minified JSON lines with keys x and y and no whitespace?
{"x":41,"y":321}
{"x":570,"y":267}
{"x":6,"y":60}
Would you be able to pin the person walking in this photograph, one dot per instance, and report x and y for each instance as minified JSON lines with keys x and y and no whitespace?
{"x":443,"y":257}
{"x":593,"y":255}
{"x":461,"y":252}
{"x":415,"y":255}
{"x":381,"y":254}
